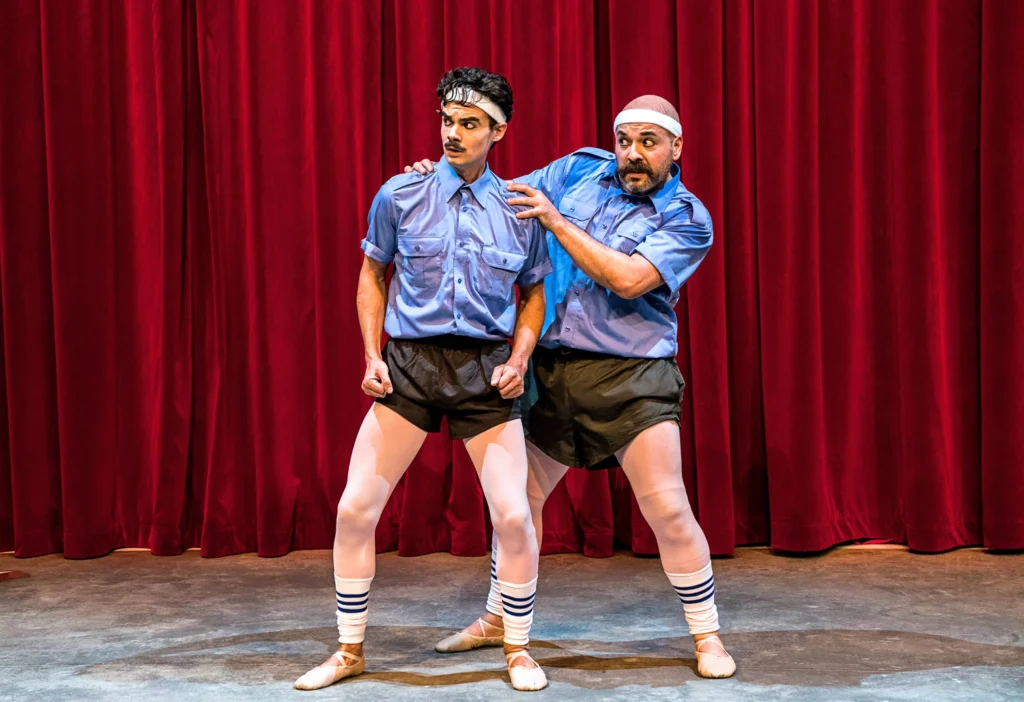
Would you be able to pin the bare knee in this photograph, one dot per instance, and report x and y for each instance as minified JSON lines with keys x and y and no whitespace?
{"x":514,"y":526}
{"x":673,"y":521}
{"x":356,"y":516}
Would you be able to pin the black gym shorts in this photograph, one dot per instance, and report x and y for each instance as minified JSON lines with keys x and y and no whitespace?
{"x":586,"y":406}
{"x":448,"y":376}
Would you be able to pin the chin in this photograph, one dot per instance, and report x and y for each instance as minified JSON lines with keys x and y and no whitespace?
{"x":641,"y":188}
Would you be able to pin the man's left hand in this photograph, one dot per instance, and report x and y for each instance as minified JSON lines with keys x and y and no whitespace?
{"x":540,"y":207}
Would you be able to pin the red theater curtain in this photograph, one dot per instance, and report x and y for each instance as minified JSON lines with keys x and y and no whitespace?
{"x":183,"y":186}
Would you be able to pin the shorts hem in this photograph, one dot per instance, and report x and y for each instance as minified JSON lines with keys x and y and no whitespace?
{"x":456,"y":435}
{"x":549,"y":453}
{"x":398,"y":409}
{"x":631,"y":432}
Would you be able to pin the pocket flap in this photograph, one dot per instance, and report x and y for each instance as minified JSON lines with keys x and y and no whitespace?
{"x":505,"y":260}
{"x":411,"y":246}
{"x":577,"y":209}
{"x":631,"y":231}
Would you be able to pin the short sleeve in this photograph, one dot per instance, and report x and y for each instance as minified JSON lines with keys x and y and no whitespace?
{"x":380,"y":242}
{"x":538,"y":263}
{"x":679,"y":246}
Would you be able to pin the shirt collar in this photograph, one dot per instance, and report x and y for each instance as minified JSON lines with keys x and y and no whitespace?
{"x":451,"y":182}
{"x":660,"y":198}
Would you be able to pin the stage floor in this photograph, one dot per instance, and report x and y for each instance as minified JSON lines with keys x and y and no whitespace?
{"x":848,"y":625}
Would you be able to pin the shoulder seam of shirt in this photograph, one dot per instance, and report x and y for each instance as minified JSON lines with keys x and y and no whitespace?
{"x":693,"y":210}
{"x":699,"y":214}
{"x":388,"y":191}
{"x":394,"y":210}
{"x":404,"y":180}
{"x":596,"y":152}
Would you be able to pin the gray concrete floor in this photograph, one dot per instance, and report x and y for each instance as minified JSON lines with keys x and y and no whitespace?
{"x":849,"y":625}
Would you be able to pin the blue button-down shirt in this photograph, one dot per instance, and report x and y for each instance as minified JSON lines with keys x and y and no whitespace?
{"x":670,"y":228}
{"x":458,"y":250}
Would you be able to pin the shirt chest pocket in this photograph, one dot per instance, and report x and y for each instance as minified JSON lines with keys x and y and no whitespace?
{"x":499,"y":271}
{"x":626,"y":238}
{"x":579,"y":212}
{"x":422,"y":262}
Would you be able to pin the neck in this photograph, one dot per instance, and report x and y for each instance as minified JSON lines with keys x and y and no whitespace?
{"x":470,"y":172}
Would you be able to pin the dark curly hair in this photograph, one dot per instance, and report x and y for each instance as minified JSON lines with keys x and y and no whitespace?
{"x":492,"y":85}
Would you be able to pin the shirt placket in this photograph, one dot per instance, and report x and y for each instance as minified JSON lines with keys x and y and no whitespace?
{"x":577,"y":289}
{"x":461,"y":265}
{"x":573,"y":312}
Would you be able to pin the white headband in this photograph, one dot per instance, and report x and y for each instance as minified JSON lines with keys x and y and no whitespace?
{"x":471,"y":97}
{"x":651,"y":117}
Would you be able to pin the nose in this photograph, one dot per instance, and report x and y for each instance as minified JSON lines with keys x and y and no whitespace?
{"x":633,"y":155}
{"x":453,"y":133}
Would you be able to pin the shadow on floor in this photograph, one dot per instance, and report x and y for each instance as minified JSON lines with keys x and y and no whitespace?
{"x":405,"y":656}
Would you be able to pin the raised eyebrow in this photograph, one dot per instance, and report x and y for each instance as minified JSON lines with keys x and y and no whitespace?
{"x":471,"y":118}
{"x":646,"y":132}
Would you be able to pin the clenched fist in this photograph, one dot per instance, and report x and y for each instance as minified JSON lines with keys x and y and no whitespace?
{"x":377,"y":380}
{"x":509,"y":381}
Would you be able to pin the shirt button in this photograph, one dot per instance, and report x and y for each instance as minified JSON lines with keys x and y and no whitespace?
{"x":458,"y":316}
{"x":460,"y":280}
{"x":417,"y":248}
{"x":568,"y":329}
{"x":504,"y":260}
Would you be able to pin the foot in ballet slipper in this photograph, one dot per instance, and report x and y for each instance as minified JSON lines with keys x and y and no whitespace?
{"x":713,"y":661}
{"x":479,"y":634}
{"x":349,"y":665}
{"x":524,"y":672}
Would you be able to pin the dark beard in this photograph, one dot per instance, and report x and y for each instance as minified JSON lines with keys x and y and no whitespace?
{"x":657,"y":179}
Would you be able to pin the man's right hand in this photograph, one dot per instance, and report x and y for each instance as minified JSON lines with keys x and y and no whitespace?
{"x":377,"y":381}
{"x":422,"y":167}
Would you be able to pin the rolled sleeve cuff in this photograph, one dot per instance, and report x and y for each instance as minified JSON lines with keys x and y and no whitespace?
{"x":373,"y":252}
{"x":535,"y":274}
{"x":662,"y":266}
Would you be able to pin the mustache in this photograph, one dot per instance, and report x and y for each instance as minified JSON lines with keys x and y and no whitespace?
{"x":453,"y":146}
{"x":635,"y":167}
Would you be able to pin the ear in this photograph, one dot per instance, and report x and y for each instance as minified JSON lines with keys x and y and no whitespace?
{"x":677,"y":148}
{"x":499,"y":131}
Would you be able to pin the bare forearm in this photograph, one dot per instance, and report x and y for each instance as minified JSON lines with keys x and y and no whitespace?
{"x":529,"y":320}
{"x":604,"y":265}
{"x":370,"y":296}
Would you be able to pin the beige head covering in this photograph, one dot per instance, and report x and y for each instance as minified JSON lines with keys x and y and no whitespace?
{"x":468,"y":96}
{"x":651,"y":109}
